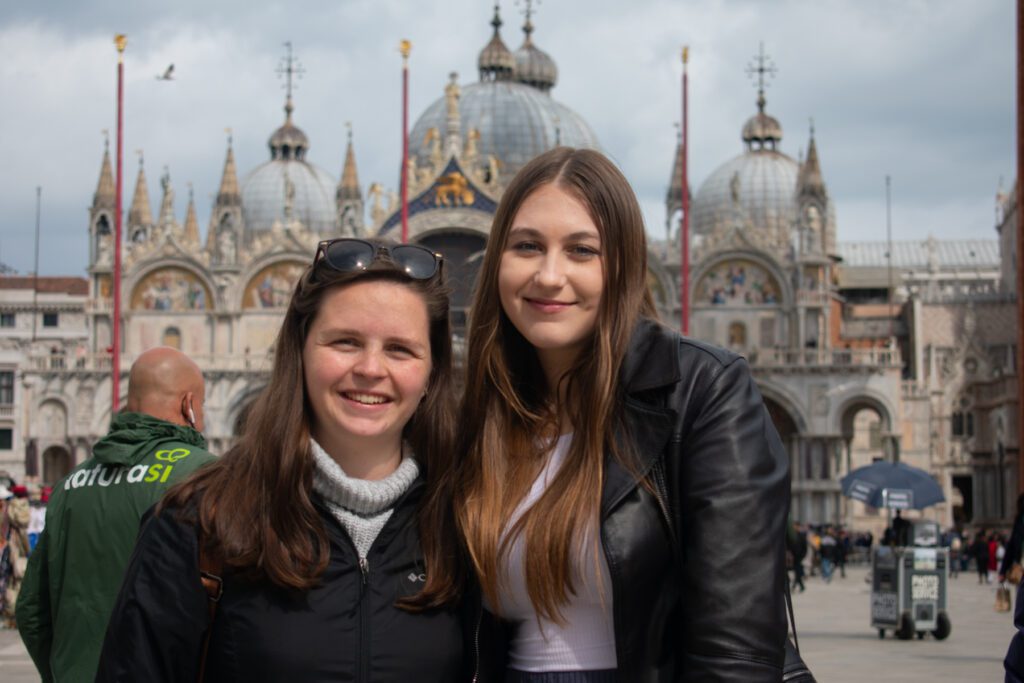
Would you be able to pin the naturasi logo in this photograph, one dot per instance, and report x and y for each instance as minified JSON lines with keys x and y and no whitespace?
{"x":105,"y":475}
{"x":173,"y":456}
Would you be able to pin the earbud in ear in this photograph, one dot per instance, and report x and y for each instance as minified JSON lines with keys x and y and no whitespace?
{"x":192,"y":416}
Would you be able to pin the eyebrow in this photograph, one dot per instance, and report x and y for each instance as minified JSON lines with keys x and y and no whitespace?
{"x":533,"y":232}
{"x":341,"y":331}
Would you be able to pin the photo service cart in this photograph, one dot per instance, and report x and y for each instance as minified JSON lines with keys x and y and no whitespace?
{"x":908,"y":586}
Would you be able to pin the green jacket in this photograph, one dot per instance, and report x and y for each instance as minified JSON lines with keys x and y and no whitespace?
{"x":92,"y":520}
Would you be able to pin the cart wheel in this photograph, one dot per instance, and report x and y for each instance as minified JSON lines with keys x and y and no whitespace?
{"x":881,"y":633}
{"x":942,"y":626}
{"x":906,"y":627}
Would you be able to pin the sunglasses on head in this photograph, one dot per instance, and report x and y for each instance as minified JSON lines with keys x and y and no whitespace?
{"x":347,"y":255}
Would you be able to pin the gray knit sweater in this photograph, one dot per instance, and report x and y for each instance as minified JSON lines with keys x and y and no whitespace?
{"x":361,"y":506}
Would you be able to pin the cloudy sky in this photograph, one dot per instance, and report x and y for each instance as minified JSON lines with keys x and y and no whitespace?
{"x":920,"y":90}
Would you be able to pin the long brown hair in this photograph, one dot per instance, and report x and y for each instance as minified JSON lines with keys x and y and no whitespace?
{"x":254,"y":505}
{"x":508,"y":401}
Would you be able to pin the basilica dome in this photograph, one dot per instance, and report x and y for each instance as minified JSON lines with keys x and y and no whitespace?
{"x":288,"y":187}
{"x":760,"y":183}
{"x":757,"y":188}
{"x":516,"y":122}
{"x":511,"y":107}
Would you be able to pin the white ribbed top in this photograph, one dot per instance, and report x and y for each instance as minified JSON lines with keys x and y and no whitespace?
{"x":587,"y":640}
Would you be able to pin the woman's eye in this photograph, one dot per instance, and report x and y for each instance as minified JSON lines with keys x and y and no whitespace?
{"x":345,"y":342}
{"x":526,"y":246}
{"x":400,"y":350}
{"x":583,"y":251}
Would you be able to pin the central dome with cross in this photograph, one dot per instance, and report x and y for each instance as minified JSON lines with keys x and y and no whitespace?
{"x":759,"y":188}
{"x":509,"y":112}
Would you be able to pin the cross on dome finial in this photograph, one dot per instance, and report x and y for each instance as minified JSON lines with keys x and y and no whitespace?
{"x":761,"y":67}
{"x":290,"y":69}
{"x":231,"y":137}
{"x":528,"y":13}
{"x":496,"y":21}
{"x":348,"y":130}
{"x":106,"y":139}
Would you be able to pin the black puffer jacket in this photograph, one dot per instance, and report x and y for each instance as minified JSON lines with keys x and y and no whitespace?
{"x":345,"y":629}
{"x":705,"y":441}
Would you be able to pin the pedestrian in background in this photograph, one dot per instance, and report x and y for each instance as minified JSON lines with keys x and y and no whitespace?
{"x":796,"y":540}
{"x":979,"y":551}
{"x":93,"y":516}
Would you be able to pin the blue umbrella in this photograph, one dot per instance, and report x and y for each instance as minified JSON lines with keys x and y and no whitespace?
{"x":893,"y":485}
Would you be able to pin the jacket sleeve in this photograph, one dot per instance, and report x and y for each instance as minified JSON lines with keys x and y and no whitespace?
{"x":156,"y":630}
{"x":735,"y":501}
{"x":1013,"y":548}
{"x":32,"y":610}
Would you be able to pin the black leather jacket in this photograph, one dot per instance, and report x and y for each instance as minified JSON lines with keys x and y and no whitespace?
{"x":704,"y":440}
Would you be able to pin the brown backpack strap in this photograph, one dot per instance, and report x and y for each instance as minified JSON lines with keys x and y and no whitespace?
{"x":211,"y":569}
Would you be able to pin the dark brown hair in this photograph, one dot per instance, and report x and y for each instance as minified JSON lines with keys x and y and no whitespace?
{"x":254,"y":506}
{"x":508,"y":403}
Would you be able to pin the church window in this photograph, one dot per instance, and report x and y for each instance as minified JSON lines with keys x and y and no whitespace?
{"x":958,"y":423}
{"x":7,"y":387}
{"x":737,"y":335}
{"x":6,"y":439}
{"x":50,"y":319}
{"x":969,"y":424}
{"x":6,"y":320}
{"x":172,"y":338}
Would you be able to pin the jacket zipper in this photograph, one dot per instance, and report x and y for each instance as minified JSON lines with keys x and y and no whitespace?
{"x":364,"y":622}
{"x":476,"y":644}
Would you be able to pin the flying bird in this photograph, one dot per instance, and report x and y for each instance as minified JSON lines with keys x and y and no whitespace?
{"x":168,"y":74}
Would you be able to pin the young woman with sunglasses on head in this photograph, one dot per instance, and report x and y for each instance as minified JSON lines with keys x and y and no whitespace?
{"x":328,"y":519}
{"x":623,"y":493}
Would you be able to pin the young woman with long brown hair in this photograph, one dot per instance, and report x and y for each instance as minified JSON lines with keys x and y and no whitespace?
{"x":329,"y":517}
{"x":623,"y":494}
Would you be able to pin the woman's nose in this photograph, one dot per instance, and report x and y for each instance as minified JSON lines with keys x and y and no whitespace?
{"x":550,"y":271}
{"x":370,"y":363}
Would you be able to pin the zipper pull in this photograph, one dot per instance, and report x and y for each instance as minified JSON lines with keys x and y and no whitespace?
{"x":364,"y":568}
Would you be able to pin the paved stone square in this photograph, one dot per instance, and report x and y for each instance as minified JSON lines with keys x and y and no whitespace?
{"x":837,"y":641}
{"x":836,"y":638}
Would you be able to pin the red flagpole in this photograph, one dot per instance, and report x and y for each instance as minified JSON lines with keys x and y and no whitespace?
{"x":404,"y":47}
{"x":684,"y":238}
{"x":115,"y":362}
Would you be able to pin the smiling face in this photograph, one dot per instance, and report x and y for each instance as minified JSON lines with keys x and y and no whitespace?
{"x":551,"y":276}
{"x":366,"y":362}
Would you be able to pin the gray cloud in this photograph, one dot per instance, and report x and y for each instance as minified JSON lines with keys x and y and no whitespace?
{"x":919,"y":90}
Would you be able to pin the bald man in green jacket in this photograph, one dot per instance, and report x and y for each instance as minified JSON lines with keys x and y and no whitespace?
{"x":92,"y":520}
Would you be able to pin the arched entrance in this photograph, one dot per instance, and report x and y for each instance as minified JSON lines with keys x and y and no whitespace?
{"x":867,"y":436}
{"x":56,"y":464}
{"x":463,"y":253}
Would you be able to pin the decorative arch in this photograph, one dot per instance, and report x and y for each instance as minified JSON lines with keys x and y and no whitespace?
{"x":239,"y":407}
{"x":787,"y":401}
{"x":740,"y":279}
{"x":174,"y":288}
{"x":848,"y":407}
{"x":52,"y":420}
{"x":663,"y":286}
{"x":463,"y":251}
{"x":272,"y":286}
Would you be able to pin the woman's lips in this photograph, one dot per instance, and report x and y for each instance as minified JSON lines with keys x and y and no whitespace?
{"x":548,"y":305}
